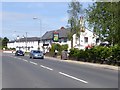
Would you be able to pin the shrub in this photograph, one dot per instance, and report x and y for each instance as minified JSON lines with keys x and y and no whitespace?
{"x":74,"y":53}
{"x":115,"y":56}
{"x":57,"y":47}
{"x":99,"y":54}
{"x":64,"y":47}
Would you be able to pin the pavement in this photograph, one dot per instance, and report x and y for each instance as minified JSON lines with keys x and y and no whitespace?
{"x":23,"y":72}
{"x":105,"y":66}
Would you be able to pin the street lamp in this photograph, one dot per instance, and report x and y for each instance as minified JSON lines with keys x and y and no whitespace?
{"x":35,"y":18}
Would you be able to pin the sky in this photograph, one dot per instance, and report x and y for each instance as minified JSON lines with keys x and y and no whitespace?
{"x":17,"y":17}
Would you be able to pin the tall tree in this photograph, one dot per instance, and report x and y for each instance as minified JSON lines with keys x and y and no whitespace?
{"x":75,"y":9}
{"x":5,"y":41}
{"x":103,"y":17}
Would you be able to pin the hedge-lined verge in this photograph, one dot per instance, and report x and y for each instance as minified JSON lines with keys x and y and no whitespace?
{"x":98,"y":54}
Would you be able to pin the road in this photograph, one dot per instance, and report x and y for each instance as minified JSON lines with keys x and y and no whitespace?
{"x":23,"y":72}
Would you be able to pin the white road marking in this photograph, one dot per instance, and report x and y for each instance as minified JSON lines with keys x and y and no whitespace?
{"x":73,"y":77}
{"x":18,"y":58}
{"x":46,"y":67}
{"x":33,"y":63}
{"x":25,"y":60}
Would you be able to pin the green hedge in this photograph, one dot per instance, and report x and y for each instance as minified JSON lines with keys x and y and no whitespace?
{"x":98,"y":54}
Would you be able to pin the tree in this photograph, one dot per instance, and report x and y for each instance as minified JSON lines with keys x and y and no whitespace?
{"x":5,"y":41}
{"x":103,"y":17}
{"x":75,"y":9}
{"x":0,"y":43}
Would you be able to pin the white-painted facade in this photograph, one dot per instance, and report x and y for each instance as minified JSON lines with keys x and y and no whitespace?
{"x":86,"y":38}
{"x":31,"y":45}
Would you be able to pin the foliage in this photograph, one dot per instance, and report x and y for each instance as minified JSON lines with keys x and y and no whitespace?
{"x":5,"y":40}
{"x":75,"y":9}
{"x":64,"y":47}
{"x":98,"y":54}
{"x":58,"y":47}
{"x":104,"y":18}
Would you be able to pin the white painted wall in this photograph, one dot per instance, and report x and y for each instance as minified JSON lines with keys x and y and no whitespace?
{"x":82,"y":45}
{"x":33,"y":44}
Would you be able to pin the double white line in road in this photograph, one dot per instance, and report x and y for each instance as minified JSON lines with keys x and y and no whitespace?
{"x":73,"y":77}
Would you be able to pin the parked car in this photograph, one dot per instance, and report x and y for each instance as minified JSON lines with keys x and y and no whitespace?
{"x":36,"y":54}
{"x":19,"y":53}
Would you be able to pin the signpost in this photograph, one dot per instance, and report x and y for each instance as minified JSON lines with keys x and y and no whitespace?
{"x":55,"y":36}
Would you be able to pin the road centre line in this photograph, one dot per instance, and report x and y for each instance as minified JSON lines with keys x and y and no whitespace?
{"x":33,"y":63}
{"x":46,"y":67}
{"x":73,"y":77}
{"x":18,"y":58}
{"x":25,"y":60}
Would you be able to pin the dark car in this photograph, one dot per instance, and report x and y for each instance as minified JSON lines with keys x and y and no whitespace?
{"x":19,"y":53}
{"x":36,"y":54}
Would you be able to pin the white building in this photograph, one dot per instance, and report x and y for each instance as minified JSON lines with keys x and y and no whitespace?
{"x":25,"y":44}
{"x":87,"y":38}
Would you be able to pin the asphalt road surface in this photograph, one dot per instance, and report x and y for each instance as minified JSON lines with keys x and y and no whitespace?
{"x":23,"y":72}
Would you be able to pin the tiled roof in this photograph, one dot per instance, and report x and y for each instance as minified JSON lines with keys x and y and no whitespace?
{"x":28,"y":39}
{"x":62,"y":33}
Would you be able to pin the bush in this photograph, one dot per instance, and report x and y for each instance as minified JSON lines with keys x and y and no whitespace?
{"x":98,"y":54}
{"x":115,"y":55}
{"x":74,"y":54}
{"x":64,"y":47}
{"x":58,"y":47}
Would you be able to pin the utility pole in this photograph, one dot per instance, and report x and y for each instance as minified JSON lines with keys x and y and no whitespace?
{"x":26,"y":41}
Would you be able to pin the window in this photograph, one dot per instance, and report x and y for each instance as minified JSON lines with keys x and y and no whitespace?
{"x":97,"y":40}
{"x":86,"y":39}
{"x":65,"y":39}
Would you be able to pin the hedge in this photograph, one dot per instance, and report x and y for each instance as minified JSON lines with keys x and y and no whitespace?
{"x":98,"y":54}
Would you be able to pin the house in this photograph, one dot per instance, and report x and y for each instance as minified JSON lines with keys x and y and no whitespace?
{"x":47,"y":38}
{"x":25,"y":44}
{"x":87,"y":39}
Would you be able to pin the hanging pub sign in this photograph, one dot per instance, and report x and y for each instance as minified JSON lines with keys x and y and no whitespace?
{"x":55,"y":36}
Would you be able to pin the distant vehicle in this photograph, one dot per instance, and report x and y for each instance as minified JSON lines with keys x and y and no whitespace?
{"x":105,"y":43}
{"x":36,"y":54}
{"x":19,"y":53}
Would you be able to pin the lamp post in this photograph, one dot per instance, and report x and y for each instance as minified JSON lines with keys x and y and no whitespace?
{"x":35,"y":18}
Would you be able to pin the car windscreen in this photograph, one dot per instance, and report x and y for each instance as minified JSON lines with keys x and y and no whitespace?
{"x":20,"y":51}
{"x":37,"y":52}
